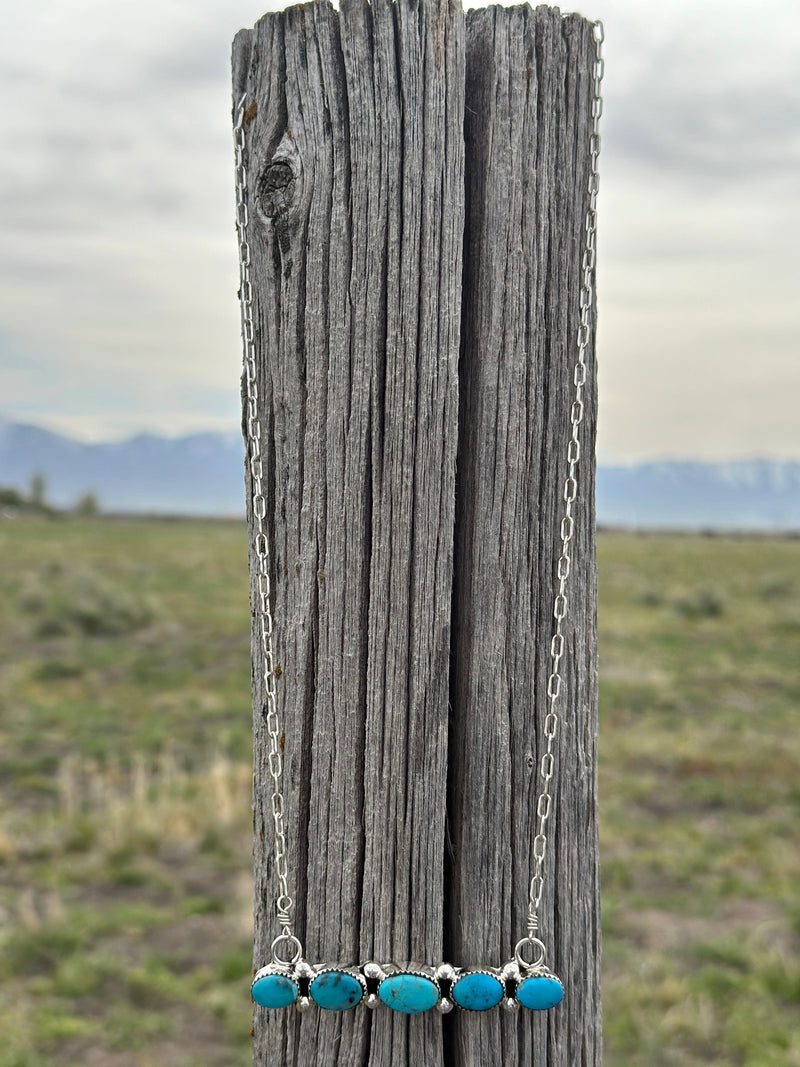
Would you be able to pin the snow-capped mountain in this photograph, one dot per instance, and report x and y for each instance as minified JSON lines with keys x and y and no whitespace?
{"x":742,"y":494}
{"x":202,"y":474}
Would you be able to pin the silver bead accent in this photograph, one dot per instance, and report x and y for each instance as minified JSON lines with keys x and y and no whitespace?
{"x":445,"y":973}
{"x":372,"y":970}
{"x":511,"y":1004}
{"x":303,"y":969}
{"x":372,"y":1000}
{"x":510,"y":972}
{"x":444,"y":1005}
{"x":302,"y":1004}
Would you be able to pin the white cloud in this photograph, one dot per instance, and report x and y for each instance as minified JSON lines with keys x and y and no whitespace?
{"x":699,"y":318}
{"x":117,"y":302}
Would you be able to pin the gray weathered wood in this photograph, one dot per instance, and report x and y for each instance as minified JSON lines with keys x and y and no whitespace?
{"x":528,"y":101}
{"x":356,"y":167}
{"x":356,"y":155}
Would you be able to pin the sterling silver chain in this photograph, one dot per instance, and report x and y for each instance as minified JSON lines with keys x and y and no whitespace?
{"x":260,"y":546}
{"x":261,"y":553}
{"x":543,"y":804}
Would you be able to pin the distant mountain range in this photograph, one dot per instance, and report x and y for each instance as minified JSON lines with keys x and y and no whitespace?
{"x":757,"y":495}
{"x":202,"y":474}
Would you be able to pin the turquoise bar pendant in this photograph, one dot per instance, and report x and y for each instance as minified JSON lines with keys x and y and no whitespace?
{"x":410,"y":989}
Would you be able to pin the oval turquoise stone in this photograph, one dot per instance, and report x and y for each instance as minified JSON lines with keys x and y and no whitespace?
{"x":477,"y":992}
{"x":540,"y":991}
{"x":409,"y":993}
{"x":274,"y":991}
{"x":336,"y":990}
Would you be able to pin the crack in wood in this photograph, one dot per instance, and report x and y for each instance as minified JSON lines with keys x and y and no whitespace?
{"x":416,"y":280}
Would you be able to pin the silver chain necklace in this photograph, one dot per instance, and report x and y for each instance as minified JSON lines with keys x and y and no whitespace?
{"x":289,"y":978}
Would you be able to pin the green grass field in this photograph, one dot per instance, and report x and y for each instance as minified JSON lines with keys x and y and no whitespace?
{"x":125,"y":797}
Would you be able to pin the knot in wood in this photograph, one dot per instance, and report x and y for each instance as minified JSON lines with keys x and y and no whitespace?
{"x":276,"y":189}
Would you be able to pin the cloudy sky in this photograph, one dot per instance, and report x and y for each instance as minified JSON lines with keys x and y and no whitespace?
{"x":117,"y":254}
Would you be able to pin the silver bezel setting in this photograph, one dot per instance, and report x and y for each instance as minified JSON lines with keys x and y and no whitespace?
{"x":276,"y":970}
{"x":416,"y":970}
{"x":332,"y":968}
{"x":540,"y":972}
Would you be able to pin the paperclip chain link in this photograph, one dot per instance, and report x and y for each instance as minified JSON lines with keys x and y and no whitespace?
{"x":262,"y":611}
{"x":551,"y":722}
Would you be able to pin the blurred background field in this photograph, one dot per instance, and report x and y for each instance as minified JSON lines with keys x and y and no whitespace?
{"x":125,"y":846}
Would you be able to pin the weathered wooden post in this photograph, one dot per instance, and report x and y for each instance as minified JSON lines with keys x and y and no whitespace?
{"x":528,"y":121}
{"x":412,"y":594}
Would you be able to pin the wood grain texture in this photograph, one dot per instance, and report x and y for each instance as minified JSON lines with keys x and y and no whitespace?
{"x":528,"y":122}
{"x":402,"y":584}
{"x":356,"y":170}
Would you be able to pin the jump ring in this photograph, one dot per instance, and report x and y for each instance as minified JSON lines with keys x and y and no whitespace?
{"x":532,"y":942}
{"x":289,"y":939}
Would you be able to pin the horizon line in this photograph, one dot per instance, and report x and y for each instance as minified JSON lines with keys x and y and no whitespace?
{"x":223,"y":428}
